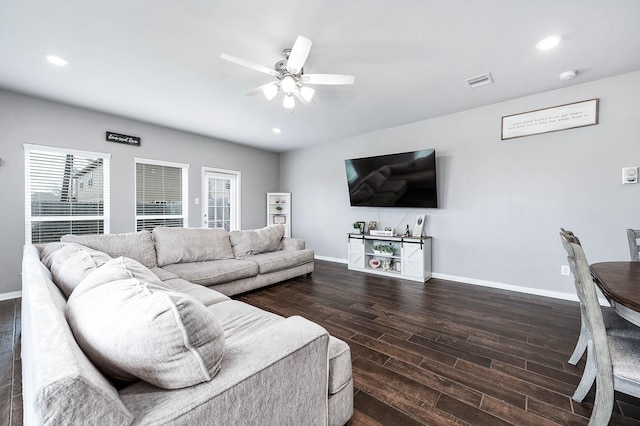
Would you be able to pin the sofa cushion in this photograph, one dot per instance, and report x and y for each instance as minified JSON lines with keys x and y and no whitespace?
{"x":256,"y":241}
{"x":135,"y":329}
{"x":239,"y":319}
{"x":279,"y":260}
{"x":202,"y":294}
{"x":214,"y":271}
{"x":70,"y":263}
{"x":123,"y":268}
{"x":185,"y":245}
{"x":136,"y":245}
{"x":339,"y":365}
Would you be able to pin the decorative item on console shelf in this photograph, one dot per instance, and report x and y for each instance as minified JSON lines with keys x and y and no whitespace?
{"x":358,"y":227}
{"x":417,"y":230}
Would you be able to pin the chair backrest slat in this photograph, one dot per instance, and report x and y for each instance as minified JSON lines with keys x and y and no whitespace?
{"x":633,"y":235}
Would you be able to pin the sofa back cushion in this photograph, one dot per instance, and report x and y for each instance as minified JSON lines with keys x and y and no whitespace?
{"x":256,"y":241}
{"x":133,"y":328}
{"x":186,"y":245}
{"x":70,"y":263}
{"x":136,"y":245}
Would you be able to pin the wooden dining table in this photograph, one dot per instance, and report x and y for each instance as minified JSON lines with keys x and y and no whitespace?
{"x":620,"y":284}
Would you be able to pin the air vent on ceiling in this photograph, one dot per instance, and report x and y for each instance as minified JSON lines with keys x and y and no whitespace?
{"x":481,"y":80}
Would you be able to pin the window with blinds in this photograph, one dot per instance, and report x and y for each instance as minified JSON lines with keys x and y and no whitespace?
{"x":161,"y":194}
{"x":66,"y":192}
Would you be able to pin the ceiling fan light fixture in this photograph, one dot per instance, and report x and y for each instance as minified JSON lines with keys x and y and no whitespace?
{"x":288,"y":101}
{"x":307,"y":93}
{"x":288,"y":84}
{"x":270,"y":91}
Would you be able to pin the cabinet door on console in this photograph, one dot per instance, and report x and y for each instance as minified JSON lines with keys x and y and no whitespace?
{"x":356,"y":252}
{"x":413,"y":259}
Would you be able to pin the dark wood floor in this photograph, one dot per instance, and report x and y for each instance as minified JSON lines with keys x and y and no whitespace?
{"x":440,"y":353}
{"x":10,"y":366}
{"x":446,"y":353}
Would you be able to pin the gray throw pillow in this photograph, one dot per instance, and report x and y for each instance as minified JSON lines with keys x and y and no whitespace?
{"x":136,"y":245}
{"x":186,"y":245}
{"x":70,"y":263}
{"x":131,"y":329}
{"x":256,"y":241}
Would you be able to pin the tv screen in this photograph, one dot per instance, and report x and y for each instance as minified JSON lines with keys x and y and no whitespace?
{"x":406,"y":179}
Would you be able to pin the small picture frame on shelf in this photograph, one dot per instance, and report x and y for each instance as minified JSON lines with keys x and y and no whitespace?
{"x":388,"y":229}
{"x":372,"y":225}
{"x":279,"y":219}
{"x":417,"y":229}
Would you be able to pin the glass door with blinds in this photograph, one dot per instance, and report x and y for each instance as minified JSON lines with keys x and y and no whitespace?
{"x":221,"y":195}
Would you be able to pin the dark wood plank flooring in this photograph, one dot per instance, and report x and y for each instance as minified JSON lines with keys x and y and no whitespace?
{"x":10,"y":366}
{"x":440,"y":353}
{"x":446,"y":353}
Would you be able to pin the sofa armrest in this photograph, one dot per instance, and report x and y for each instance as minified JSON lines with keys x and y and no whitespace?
{"x":59,"y":383}
{"x":292,"y":244}
{"x":260,"y":376}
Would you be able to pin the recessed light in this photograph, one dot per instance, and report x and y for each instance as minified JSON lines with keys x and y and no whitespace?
{"x":57,"y":60}
{"x":277,"y":130}
{"x":567,"y":75}
{"x":548,"y":42}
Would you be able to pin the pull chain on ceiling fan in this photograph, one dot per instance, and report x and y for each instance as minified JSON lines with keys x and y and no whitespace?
{"x":290,"y":77}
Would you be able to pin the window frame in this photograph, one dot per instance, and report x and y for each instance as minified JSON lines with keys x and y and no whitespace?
{"x":185,"y":191}
{"x":106,"y":188}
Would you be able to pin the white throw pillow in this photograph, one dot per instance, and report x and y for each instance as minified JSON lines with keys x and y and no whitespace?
{"x":132,"y":328}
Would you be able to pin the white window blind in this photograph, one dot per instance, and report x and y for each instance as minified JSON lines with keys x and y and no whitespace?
{"x":161,"y":194}
{"x":66,"y":192}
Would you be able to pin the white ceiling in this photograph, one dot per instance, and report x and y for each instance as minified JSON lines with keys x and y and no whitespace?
{"x":158,"y":61}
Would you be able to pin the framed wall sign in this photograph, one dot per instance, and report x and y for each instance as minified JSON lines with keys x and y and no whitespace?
{"x":125,"y":139}
{"x":561,"y":117}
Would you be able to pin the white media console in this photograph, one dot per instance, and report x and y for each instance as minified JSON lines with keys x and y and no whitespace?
{"x":411,"y":258}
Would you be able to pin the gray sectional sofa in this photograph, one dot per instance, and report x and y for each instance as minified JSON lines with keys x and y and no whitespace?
{"x":139,"y":329}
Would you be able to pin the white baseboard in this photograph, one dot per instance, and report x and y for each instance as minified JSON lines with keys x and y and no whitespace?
{"x":493,"y":284}
{"x":11,"y":295}
{"x":332,"y":259}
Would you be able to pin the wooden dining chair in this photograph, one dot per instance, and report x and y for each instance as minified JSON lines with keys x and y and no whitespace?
{"x":614,"y":358}
{"x":634,"y":248}
{"x":613,"y":322}
{"x":614,"y":325}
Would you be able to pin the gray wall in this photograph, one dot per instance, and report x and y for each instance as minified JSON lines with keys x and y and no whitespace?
{"x":25,"y":119}
{"x":502,"y":202}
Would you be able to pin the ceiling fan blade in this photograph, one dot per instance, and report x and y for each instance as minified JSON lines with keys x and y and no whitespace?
{"x":261,"y":89}
{"x":300,"y":97}
{"x":336,"y":79}
{"x":248,"y":64}
{"x":298,"y":55}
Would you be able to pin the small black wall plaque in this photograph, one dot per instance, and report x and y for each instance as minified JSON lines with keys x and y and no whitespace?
{"x":126,"y":139}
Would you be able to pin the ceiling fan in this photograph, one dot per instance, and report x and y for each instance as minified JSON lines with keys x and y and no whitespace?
{"x":290,"y":76}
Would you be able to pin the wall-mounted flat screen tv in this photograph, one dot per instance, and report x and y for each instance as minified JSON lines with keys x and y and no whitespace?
{"x":406,"y":179}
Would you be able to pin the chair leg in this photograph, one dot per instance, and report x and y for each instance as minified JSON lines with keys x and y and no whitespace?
{"x":603,"y":405}
{"x":588,"y":376}
{"x":581,"y":345}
